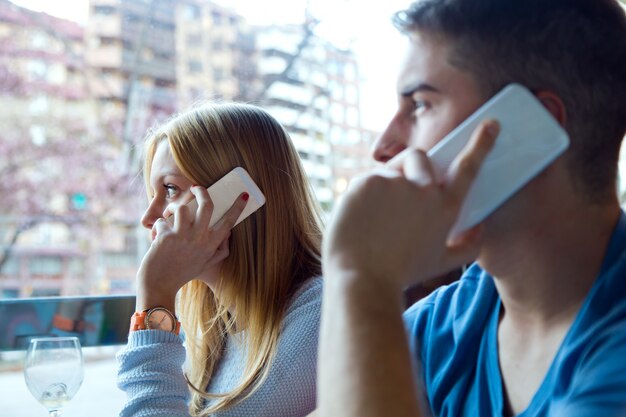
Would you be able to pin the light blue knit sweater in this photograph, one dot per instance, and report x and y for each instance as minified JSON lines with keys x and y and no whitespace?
{"x":150,"y":368}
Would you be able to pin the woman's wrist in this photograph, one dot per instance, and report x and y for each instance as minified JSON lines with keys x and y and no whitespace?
{"x":150,"y":295}
{"x":150,"y":299}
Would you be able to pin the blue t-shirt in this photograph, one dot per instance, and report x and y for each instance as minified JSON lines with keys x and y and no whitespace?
{"x":454,"y":334}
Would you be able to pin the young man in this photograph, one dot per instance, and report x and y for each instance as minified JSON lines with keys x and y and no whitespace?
{"x":537,"y":326}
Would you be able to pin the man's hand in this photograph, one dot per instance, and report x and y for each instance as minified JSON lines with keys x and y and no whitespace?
{"x":394,"y":227}
{"x":387,"y":232}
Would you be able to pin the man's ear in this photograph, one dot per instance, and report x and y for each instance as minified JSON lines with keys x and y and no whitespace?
{"x":554,"y":105}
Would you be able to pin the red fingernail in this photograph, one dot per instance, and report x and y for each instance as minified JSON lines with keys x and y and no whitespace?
{"x":245,"y":196}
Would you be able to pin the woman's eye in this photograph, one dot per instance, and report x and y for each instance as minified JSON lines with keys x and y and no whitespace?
{"x":170,"y":190}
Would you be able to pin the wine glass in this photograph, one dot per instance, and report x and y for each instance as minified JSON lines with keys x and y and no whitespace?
{"x":53,"y":371}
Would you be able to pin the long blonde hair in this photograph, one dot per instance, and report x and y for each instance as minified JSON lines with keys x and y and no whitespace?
{"x":272,"y":252}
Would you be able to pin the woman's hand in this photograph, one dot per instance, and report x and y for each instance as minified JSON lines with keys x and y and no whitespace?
{"x":185,"y":251}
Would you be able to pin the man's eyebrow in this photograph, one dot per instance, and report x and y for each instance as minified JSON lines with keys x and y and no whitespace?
{"x":417,"y":87}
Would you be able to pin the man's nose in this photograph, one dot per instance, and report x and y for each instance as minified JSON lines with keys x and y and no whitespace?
{"x":390,"y":143}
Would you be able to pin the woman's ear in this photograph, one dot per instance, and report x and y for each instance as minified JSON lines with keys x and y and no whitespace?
{"x":553,"y":103}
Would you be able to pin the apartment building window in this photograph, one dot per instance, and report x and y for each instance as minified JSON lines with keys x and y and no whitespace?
{"x":336,"y":90}
{"x":337,"y":113}
{"x":37,"y":69}
{"x":194,"y":39}
{"x":163,"y":56}
{"x":219,"y":74}
{"x":336,"y":68}
{"x":349,"y":72}
{"x":108,"y":40}
{"x":194,"y":67}
{"x":191,"y":12}
{"x":336,"y":134}
{"x":217,"y":18}
{"x":46,"y":292}
{"x":46,"y":266}
{"x":104,"y":10}
{"x":132,"y":18}
{"x":352,"y":116}
{"x":217,"y":45}
{"x":351,"y":94}
{"x":39,"y":40}
{"x":353,"y":136}
{"x":39,"y":105}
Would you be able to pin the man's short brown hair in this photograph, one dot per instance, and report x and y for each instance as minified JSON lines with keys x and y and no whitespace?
{"x":574,"y":48}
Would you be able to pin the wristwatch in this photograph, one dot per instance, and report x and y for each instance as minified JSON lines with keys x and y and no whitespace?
{"x":157,"y":318}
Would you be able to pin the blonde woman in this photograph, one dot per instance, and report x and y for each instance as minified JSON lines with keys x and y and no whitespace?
{"x":250,"y":298}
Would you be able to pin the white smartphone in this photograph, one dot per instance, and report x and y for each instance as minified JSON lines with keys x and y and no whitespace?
{"x":529,"y":140}
{"x":225,"y":191}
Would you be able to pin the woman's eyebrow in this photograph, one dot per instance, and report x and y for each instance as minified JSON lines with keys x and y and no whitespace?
{"x":170,"y":174}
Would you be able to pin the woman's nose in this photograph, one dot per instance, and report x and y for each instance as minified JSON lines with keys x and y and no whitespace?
{"x":152,"y":213}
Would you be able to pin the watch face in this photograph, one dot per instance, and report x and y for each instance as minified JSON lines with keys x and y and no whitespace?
{"x":160,"y":319}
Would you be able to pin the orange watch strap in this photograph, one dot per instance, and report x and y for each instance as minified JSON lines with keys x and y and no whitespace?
{"x":138,"y":321}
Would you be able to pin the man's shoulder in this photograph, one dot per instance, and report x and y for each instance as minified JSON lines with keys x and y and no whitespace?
{"x":453,"y":307}
{"x":474,"y":285}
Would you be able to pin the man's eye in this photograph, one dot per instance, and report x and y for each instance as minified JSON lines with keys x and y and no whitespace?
{"x":420,"y":106}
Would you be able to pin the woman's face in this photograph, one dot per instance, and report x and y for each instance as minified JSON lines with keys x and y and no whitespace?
{"x":168,"y":183}
{"x":171,"y":189}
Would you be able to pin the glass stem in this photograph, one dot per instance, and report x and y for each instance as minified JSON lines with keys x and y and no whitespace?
{"x":55,"y":413}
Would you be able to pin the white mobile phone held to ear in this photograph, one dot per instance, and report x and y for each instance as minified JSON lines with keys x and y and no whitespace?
{"x":529,"y":140}
{"x":225,"y":191}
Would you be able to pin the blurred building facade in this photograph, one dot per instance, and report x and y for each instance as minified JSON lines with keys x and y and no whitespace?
{"x":44,"y":98}
{"x":131,"y":57}
{"x":350,"y":141}
{"x":136,"y":63}
{"x":215,"y":54}
{"x":295,"y":91}
{"x":312,"y":88}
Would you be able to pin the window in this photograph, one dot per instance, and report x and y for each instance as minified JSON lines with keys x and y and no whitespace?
{"x":191,"y":12}
{"x":352,"y":116}
{"x":337,"y":113}
{"x":91,"y":78}
{"x":37,"y":69}
{"x":351,"y":94}
{"x":217,"y":45}
{"x":350,"y":72}
{"x":194,"y":67}
{"x":219,"y":74}
{"x":39,"y":40}
{"x":104,"y":10}
{"x":194,"y":39}
{"x":217,"y":18}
